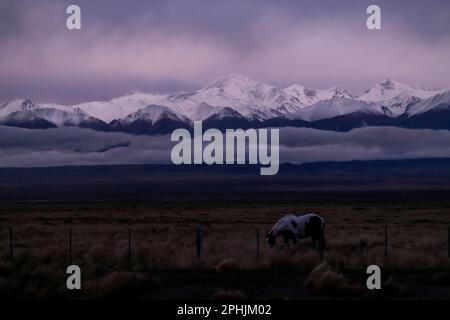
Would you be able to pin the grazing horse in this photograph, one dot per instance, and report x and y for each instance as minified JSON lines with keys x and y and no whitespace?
{"x":292,"y":227}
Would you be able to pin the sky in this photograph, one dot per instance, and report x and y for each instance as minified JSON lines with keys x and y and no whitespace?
{"x":164,"y":46}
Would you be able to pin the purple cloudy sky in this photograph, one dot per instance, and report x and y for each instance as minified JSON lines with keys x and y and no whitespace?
{"x":179,"y":45}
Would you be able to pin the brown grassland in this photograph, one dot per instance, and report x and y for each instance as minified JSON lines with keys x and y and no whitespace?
{"x":164,"y":263}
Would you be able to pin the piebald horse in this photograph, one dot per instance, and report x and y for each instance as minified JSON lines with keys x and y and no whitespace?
{"x":292,"y":227}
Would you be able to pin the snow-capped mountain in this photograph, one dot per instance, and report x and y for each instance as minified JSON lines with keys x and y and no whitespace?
{"x":393,"y":98}
{"x":154,"y":113}
{"x":432,"y":113}
{"x":252,"y":99}
{"x":439,"y":102}
{"x":26,"y":114}
{"x":121,"y":107}
{"x":236,"y":101}
{"x":17,"y":106}
{"x":151,"y":119}
{"x":390,"y":89}
{"x":21,"y":113}
{"x":396,"y":106}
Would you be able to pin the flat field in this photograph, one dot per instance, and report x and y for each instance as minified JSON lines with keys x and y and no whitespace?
{"x":163,"y":262}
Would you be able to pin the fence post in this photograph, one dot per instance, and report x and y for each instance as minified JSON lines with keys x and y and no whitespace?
{"x":70,"y":246}
{"x":129,"y":247}
{"x":11,"y":247}
{"x":385,"y":241}
{"x":198,"y":242}
{"x":257,"y":245}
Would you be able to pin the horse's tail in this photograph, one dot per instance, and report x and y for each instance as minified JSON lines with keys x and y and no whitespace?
{"x":322,"y":240}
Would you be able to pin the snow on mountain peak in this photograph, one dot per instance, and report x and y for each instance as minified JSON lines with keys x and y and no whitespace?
{"x":236,"y":87}
{"x":390,"y":89}
{"x":330,"y":108}
{"x":154,"y":113}
{"x":388,"y":84}
{"x":239,"y":86}
{"x":436,"y":102}
{"x":234,"y":78}
{"x":305,"y":95}
{"x":251,"y":98}
{"x":394,"y":98}
{"x":17,"y":105}
{"x":310,"y":96}
{"x":336,"y":93}
{"x":120,"y":107}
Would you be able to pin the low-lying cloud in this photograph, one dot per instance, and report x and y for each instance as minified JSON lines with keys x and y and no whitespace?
{"x":372,"y":143}
{"x":76,"y":146}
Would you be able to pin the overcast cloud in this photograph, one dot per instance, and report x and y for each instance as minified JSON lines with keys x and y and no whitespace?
{"x":178,"y":45}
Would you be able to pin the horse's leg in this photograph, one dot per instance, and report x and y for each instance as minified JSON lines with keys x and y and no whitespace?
{"x":286,"y":240}
{"x":294,"y":239}
{"x":322,"y":239}
{"x":314,"y":243}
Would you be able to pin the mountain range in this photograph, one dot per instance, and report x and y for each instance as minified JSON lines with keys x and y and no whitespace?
{"x":237,"y":101}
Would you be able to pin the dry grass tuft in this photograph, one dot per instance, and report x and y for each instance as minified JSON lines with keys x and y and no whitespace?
{"x":303,"y":261}
{"x":442,"y":278}
{"x":228,"y":295}
{"x":124,"y":283}
{"x":392,"y":289}
{"x":227,"y":265}
{"x":324,"y":280}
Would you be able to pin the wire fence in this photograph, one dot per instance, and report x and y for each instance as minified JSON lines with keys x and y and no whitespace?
{"x":198,"y":241}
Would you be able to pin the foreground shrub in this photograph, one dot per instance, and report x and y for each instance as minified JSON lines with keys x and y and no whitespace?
{"x":324,"y":280}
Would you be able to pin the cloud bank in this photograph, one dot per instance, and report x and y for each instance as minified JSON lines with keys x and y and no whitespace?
{"x":75,"y":146}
